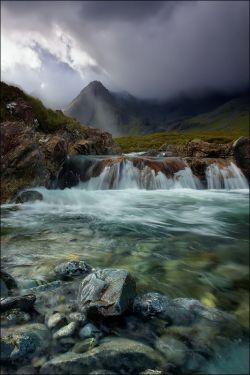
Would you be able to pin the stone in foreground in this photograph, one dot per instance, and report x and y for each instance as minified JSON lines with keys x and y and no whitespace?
{"x":115,"y":354}
{"x":108,"y":292}
{"x":72,"y":269}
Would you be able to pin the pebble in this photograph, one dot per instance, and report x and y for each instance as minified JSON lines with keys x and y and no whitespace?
{"x":65,"y":331}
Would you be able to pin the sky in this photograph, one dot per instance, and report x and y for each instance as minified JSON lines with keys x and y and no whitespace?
{"x":151,"y":49}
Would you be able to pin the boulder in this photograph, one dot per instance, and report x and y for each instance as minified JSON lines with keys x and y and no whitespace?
{"x":179,"y":311}
{"x":7,"y":284}
{"x":23,"y":342}
{"x":29,"y":196}
{"x":72,"y":268}
{"x":56,"y":321}
{"x":24,"y":303}
{"x":108,"y":292}
{"x":89,"y":330}
{"x":114,"y":354}
{"x":241,"y":154}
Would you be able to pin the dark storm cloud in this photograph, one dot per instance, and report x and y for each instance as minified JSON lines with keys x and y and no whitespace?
{"x":149,"y":48}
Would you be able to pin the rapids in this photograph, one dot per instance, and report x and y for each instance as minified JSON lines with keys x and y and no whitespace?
{"x":154,"y":218}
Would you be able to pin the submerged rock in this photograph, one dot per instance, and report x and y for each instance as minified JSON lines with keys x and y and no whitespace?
{"x":109,"y":292}
{"x":7,"y":284}
{"x":24,"y":303}
{"x":23,"y":342}
{"x":66,"y":331}
{"x":14,"y":317}
{"x":173,"y":349}
{"x":56,"y":321}
{"x":72,"y":268}
{"x":85,"y":345}
{"x":115,"y":354}
{"x":29,"y":196}
{"x":89,"y":330}
{"x":178,"y":311}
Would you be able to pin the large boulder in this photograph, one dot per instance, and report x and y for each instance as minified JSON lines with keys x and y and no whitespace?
{"x":114,"y":354}
{"x":108,"y":292}
{"x":23,"y":342}
{"x":241,"y":153}
{"x":201,"y":149}
{"x":180,"y":311}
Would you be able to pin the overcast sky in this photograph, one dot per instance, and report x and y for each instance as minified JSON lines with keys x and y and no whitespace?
{"x":150,"y":49}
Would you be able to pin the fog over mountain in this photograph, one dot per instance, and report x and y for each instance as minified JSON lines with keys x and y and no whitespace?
{"x":151,"y":49}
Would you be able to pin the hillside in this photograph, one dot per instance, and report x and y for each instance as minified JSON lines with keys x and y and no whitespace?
{"x":35,"y":140}
{"x":232,"y":117}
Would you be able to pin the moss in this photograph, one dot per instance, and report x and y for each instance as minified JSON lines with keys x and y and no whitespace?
{"x":49,"y":120}
{"x":156,"y":140}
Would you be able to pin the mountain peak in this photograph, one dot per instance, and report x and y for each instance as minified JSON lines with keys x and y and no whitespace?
{"x":96,"y":88}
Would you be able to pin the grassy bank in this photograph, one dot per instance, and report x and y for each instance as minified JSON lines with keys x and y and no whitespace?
{"x":156,"y":140}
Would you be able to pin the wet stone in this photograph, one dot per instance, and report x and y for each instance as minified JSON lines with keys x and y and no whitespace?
{"x":24,"y":303}
{"x":173,"y":349}
{"x":89,"y":330}
{"x":85,"y":345}
{"x":14,"y":317}
{"x":109,"y":292}
{"x":72,"y":268}
{"x":120,"y":355}
{"x":29,"y":196}
{"x":66,"y":331}
{"x":23,"y":342}
{"x":77,"y":317}
{"x":56,"y":321}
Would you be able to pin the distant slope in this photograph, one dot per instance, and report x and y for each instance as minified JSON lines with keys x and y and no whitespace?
{"x":123,"y":114}
{"x":232,"y":117}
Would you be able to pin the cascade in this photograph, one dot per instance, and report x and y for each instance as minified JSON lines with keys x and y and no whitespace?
{"x":138,"y":172}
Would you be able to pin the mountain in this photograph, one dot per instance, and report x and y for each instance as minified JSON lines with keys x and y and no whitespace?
{"x":123,"y":114}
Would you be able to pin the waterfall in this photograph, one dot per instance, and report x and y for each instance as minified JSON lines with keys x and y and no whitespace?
{"x":138,"y":172}
{"x":229,"y":177}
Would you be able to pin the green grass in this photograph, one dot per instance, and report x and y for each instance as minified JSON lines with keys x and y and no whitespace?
{"x":156,"y":140}
{"x":48,"y":119}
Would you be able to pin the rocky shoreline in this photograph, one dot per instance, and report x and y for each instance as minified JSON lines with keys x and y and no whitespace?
{"x":92,"y":321}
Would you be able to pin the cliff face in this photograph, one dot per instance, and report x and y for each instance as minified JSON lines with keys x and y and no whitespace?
{"x":35,"y":141}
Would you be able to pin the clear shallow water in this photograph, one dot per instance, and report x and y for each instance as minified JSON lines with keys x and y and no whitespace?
{"x":168,"y":238}
{"x":182,"y":242}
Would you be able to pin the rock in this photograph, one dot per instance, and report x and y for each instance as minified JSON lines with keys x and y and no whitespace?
{"x":24,"y":303}
{"x":80,"y":318}
{"x":25,"y":370}
{"x":29,"y":196}
{"x":7,"y":283}
{"x":201,"y":149}
{"x":85,"y":345}
{"x":89,"y":330}
{"x":178,"y":311}
{"x":152,"y":372}
{"x":72,"y":268}
{"x":115,"y":354}
{"x":173,"y":349}
{"x":109,"y":292}
{"x":32,"y":148}
{"x":66,"y":331}
{"x":56,"y":321}
{"x":151,"y":304}
{"x":14,"y":317}
{"x":22,"y":342}
{"x":241,"y":153}
{"x":44,"y":288}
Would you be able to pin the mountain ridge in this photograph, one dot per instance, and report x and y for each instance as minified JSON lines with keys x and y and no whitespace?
{"x":125,"y":114}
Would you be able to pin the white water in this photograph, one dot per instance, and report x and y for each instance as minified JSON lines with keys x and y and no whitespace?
{"x":227,"y":178}
{"x":124,"y":175}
